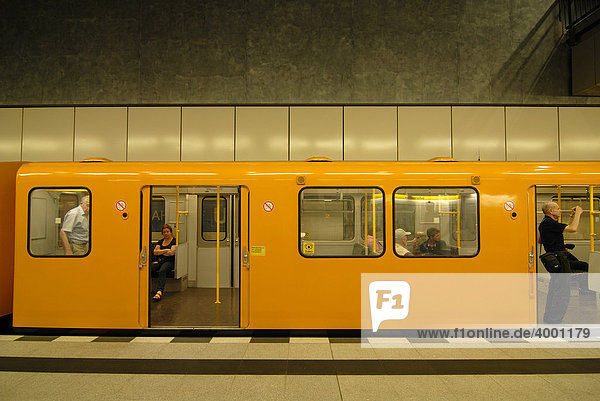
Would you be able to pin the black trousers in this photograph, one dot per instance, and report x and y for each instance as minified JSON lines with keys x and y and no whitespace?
{"x":578,"y":266}
{"x":557,"y":300}
{"x":163,"y":269}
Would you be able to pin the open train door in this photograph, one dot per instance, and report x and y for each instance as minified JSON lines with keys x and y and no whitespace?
{"x":144,"y":256}
{"x":245,"y":257}
{"x":532,"y":254}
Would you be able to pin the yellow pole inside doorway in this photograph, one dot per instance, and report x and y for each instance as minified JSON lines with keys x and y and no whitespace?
{"x":218,"y":237}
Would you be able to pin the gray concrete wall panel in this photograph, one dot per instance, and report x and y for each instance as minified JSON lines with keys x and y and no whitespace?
{"x":370,"y":133}
{"x":579,"y":133}
{"x":262,"y":133}
{"x":532,"y":134}
{"x":316,"y":132}
{"x":207,"y":133}
{"x":48,"y":134}
{"x":424,"y":132}
{"x":101,"y":132}
{"x":478,"y":133}
{"x":154,"y":134}
{"x":11,"y":129}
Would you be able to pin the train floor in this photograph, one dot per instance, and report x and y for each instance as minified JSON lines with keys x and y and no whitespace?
{"x":196,"y":307}
{"x":253,"y":366}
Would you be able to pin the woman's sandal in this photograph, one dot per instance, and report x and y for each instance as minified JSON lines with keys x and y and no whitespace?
{"x":157,"y":296}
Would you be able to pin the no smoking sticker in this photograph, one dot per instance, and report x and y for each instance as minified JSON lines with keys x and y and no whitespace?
{"x":509,"y":206}
{"x":121,"y":205}
{"x":268,"y":206}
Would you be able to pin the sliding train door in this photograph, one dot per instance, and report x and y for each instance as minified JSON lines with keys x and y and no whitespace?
{"x":203,"y":289}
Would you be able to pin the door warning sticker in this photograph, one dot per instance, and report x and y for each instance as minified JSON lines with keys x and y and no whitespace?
{"x":120,"y":205}
{"x":268,"y":206}
{"x":257,"y":250}
{"x":509,"y":206}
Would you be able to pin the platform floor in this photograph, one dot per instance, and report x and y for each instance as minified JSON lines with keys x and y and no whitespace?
{"x":45,"y":367}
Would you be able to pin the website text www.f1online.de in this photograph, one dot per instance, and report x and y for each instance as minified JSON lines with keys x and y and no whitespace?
{"x":565,"y":333}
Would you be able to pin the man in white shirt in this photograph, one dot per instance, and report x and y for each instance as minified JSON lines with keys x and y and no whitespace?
{"x":75,"y":232}
{"x":401,"y":238}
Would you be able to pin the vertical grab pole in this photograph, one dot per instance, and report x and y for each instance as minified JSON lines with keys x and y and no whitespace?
{"x":374,"y":225}
{"x":559,"y":204}
{"x":177,"y":215}
{"x":458,"y":220}
{"x":218,"y":237}
{"x":366,"y":221}
{"x":592,"y":212}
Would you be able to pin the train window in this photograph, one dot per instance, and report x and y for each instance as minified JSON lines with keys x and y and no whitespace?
{"x":209,"y":218}
{"x":157,"y":216}
{"x":437,"y":222}
{"x":569,"y":202}
{"x":567,"y":198}
{"x":333,"y":224}
{"x":59,"y":222}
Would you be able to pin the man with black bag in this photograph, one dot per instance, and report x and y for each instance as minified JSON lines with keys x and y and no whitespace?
{"x":551,"y":236}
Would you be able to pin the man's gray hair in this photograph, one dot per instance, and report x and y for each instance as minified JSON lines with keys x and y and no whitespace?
{"x":85,"y":199}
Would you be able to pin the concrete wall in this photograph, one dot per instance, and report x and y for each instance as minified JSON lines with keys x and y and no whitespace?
{"x":139,"y":52}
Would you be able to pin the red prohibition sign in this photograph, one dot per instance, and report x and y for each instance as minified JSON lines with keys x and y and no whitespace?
{"x":120,"y":205}
{"x":268,"y":206}
{"x":509,"y":206}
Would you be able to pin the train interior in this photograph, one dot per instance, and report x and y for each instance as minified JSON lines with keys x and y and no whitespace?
{"x":583,"y":307}
{"x":348,"y":221}
{"x":203,"y":224}
{"x":47,"y":209}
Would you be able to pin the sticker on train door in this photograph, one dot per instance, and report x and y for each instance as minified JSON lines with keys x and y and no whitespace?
{"x":257,"y":250}
{"x":268,"y":206}
{"x":308,"y":248}
{"x":509,"y":206}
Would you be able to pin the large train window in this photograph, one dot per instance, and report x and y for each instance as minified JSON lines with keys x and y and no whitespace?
{"x":436,"y":222}
{"x":209,"y":218}
{"x":567,"y":197}
{"x":59,"y":222}
{"x":341,"y":222}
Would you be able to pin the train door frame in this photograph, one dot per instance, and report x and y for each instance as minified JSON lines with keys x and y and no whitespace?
{"x":240,"y":251}
{"x":144,"y":256}
{"x":532,"y":248}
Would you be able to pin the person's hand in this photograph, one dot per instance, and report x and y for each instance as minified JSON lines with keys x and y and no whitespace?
{"x":576,"y":210}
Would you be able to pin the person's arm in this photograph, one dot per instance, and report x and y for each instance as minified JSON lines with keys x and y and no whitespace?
{"x":158,"y":251}
{"x":170,"y":252}
{"x":65,"y":241}
{"x":574,"y":220}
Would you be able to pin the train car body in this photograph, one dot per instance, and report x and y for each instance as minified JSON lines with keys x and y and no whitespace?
{"x":292,"y":238}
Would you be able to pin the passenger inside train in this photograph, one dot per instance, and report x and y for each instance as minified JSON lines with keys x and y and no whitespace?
{"x":164,"y":251}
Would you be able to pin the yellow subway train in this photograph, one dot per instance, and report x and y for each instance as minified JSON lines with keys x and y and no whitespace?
{"x":272,"y":245}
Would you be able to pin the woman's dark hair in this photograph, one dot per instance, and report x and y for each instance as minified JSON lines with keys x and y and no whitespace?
{"x":168,"y":227}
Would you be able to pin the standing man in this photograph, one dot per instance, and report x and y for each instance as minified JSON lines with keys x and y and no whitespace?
{"x":75,"y":232}
{"x":551,"y":236}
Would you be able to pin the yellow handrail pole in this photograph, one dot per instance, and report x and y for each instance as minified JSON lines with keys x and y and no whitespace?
{"x":374,"y":225}
{"x":458,"y":221}
{"x":592,"y":212}
{"x":218,"y":237}
{"x":177,"y":215}
{"x":366,"y":221}
{"x":559,"y":205}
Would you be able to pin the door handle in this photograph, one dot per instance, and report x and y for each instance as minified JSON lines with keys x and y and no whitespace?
{"x":143,"y":258}
{"x":245,"y":258}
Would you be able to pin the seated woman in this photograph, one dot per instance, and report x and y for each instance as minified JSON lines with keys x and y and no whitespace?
{"x":165,"y":251}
